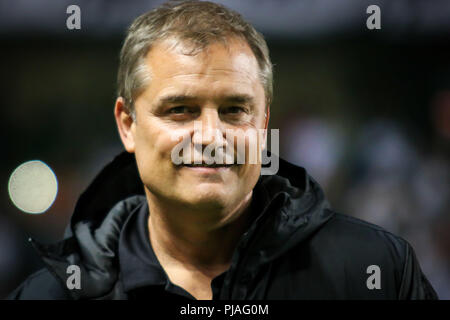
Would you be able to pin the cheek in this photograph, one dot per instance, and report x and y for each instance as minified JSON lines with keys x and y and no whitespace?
{"x":153,"y":155}
{"x":148,"y":157}
{"x":249,"y":177}
{"x":154,"y":140}
{"x":153,"y":150}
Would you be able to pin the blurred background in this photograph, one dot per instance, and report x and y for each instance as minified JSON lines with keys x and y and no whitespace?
{"x":366,"y":112}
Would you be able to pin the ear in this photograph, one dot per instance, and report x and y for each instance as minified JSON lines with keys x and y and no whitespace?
{"x":125,"y":124}
{"x":266,"y":126}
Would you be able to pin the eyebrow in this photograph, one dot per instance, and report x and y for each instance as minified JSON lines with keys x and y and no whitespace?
{"x":177,"y":98}
{"x":180,"y":98}
{"x":240,"y":98}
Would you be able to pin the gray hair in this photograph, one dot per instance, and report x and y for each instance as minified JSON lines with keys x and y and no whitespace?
{"x":199,"y":23}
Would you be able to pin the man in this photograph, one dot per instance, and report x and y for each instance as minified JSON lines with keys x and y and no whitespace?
{"x":152,"y":227}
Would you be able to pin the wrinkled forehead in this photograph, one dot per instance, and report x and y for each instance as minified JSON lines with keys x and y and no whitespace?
{"x":173,"y":55}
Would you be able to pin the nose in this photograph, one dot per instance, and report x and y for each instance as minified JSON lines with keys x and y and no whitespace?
{"x":208,"y":128}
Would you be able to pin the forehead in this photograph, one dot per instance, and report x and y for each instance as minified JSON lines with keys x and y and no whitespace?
{"x":231,"y":66}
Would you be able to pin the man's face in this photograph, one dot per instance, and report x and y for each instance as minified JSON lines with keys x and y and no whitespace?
{"x":220,"y":89}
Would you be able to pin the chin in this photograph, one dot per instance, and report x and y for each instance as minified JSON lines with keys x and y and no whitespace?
{"x":207,"y":199}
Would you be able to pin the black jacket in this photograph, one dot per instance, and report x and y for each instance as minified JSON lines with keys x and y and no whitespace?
{"x":296,"y":247}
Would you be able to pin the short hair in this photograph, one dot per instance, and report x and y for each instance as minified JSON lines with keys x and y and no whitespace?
{"x":199,"y":23}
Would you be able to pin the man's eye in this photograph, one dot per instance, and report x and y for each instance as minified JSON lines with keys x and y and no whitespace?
{"x":234,"y":110}
{"x":179,"y":110}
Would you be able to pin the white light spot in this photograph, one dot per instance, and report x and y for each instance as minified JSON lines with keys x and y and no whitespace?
{"x":33,"y":187}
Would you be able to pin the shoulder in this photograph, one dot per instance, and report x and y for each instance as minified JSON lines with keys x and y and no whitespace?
{"x":355,"y":247}
{"x":41,"y":285}
{"x":359,"y":247}
{"x":356,"y":234}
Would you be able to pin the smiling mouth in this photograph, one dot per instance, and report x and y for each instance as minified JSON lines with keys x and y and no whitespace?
{"x":204,"y":165}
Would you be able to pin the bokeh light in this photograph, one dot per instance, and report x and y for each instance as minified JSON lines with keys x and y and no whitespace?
{"x":33,"y":187}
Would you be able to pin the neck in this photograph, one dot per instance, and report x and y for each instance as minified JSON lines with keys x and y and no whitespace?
{"x":201,"y":240}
